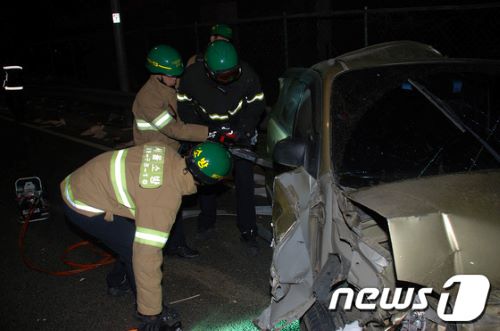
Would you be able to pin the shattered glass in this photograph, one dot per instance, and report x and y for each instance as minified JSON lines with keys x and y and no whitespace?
{"x":387,"y":129}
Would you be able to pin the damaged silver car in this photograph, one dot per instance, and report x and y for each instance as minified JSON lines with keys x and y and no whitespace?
{"x":389,"y":178}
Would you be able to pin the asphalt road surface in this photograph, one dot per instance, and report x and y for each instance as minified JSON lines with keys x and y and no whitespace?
{"x":223,"y":289}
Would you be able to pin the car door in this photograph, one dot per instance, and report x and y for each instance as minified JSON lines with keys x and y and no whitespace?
{"x":296,"y":114}
{"x":294,"y":86}
{"x":297,"y":203}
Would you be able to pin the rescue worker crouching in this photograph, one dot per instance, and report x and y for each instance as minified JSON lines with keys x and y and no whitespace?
{"x":128,"y":200}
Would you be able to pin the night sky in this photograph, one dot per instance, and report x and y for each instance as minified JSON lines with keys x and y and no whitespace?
{"x":56,"y":18}
{"x":73,"y":40}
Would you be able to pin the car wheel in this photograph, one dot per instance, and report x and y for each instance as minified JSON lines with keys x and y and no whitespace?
{"x":317,"y":318}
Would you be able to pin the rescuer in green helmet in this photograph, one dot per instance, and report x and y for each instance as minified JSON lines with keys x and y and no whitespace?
{"x":217,"y":32}
{"x":209,"y":162}
{"x":163,"y":59}
{"x":156,"y":119}
{"x":128,"y":200}
{"x":155,"y":105}
{"x":221,"y":32}
{"x":226,"y":90}
{"x":221,"y":62}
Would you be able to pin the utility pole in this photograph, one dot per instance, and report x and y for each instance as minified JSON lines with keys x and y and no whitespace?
{"x":120,"y":47}
{"x":285,"y":39}
{"x":365,"y":21}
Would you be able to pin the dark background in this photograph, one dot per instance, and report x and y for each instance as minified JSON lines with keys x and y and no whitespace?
{"x":72,"y":43}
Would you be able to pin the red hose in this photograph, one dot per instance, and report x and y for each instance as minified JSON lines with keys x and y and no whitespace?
{"x":76,"y":267}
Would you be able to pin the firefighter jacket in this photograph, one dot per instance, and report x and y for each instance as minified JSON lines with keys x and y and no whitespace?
{"x":145,"y":183}
{"x":202,"y":100}
{"x":156,"y":119}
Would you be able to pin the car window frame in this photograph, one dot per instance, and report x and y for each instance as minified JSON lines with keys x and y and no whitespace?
{"x":313,"y":85}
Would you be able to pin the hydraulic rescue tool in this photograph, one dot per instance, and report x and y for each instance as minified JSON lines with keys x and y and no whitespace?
{"x":30,"y":200}
{"x":34,"y":207}
{"x":231,"y":138}
{"x":251,"y":156}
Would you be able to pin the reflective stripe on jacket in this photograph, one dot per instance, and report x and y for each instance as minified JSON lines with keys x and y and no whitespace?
{"x":229,"y":113}
{"x":239,"y":103}
{"x":150,"y":237}
{"x":126,"y":182}
{"x":119,"y":179}
{"x":156,"y":119}
{"x":68,"y":194}
{"x":158,"y":123}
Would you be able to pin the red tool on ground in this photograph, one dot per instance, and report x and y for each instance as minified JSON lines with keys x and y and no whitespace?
{"x":33,"y":207}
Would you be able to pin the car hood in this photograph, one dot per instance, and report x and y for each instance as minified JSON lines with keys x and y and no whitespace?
{"x":441,"y":226}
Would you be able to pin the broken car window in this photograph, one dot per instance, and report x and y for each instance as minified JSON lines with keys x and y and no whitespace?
{"x":387,"y":130}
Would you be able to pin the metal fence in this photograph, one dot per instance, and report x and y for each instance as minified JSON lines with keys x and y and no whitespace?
{"x":272,"y":44}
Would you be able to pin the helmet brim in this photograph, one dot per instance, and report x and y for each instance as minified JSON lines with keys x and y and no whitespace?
{"x":225,"y":76}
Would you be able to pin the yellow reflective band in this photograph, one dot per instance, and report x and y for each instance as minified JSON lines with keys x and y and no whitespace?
{"x":144,"y":126}
{"x":75,"y":203}
{"x":150,"y":237}
{"x":218,"y":117}
{"x":119,"y":180}
{"x":163,"y":119}
{"x":156,"y":64}
{"x":258,"y":96}
{"x":215,"y":117}
{"x":183,"y":97}
{"x":237,"y":109}
{"x":158,"y":123}
{"x":203,"y":109}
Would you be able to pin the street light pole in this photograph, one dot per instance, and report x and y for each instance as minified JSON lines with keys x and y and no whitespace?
{"x":119,"y":46}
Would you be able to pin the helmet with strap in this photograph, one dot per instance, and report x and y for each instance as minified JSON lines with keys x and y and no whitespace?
{"x":221,"y":61}
{"x":163,"y":59}
{"x":209,"y":162}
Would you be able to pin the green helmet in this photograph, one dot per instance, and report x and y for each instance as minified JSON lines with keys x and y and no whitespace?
{"x":221,"y":61}
{"x":221,"y":30}
{"x":163,"y":59}
{"x":209,"y":162}
{"x":221,"y":56}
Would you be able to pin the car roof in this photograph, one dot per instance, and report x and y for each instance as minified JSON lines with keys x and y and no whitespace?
{"x":393,"y":52}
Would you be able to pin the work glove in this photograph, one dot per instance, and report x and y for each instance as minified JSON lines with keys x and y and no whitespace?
{"x":168,"y":320}
{"x":223,"y":134}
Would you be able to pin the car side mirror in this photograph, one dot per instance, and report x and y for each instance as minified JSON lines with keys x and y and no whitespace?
{"x":290,"y":152}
